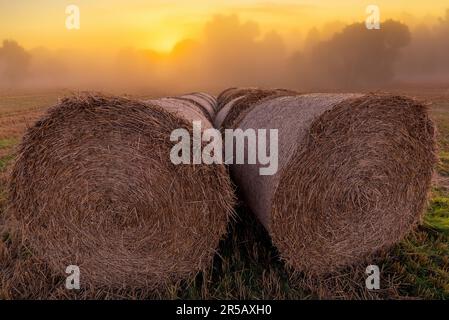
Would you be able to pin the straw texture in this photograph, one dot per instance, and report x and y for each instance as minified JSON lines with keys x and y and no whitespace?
{"x":354,"y":172}
{"x":235,"y":103}
{"x":93,"y":186}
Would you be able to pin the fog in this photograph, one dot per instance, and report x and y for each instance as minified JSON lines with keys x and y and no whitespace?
{"x":233,"y":52}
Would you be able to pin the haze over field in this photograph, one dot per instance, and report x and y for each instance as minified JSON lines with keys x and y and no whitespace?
{"x":174,"y":46}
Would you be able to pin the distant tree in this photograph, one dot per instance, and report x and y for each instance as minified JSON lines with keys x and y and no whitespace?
{"x":312,"y":38}
{"x":445,"y":21}
{"x":14,"y":62}
{"x":443,"y":37}
{"x":356,"y":56}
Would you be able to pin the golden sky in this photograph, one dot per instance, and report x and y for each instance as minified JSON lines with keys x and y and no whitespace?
{"x":160,"y":24}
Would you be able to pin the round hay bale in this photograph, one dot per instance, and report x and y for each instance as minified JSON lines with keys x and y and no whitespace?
{"x":354,"y":173}
{"x":235,"y":103}
{"x":205,"y":102}
{"x":230,"y":94}
{"x":93,"y":186}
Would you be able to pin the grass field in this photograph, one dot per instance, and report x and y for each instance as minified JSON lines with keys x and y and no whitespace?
{"x":246,"y":265}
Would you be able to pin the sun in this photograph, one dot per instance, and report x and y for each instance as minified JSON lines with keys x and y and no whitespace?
{"x":164,"y":38}
{"x":163,"y":43}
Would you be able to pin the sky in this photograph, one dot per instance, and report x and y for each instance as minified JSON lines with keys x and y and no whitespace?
{"x":175,"y":46}
{"x":159,"y":25}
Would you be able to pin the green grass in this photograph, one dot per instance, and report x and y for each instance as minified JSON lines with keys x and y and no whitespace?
{"x":7,"y":143}
{"x":5,"y":161}
{"x":424,"y":255}
{"x":438,"y":213}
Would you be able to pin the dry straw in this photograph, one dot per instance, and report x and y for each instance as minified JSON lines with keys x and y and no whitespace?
{"x":234,"y":103}
{"x":354,"y":173}
{"x":93,"y":186}
{"x":205,"y":102}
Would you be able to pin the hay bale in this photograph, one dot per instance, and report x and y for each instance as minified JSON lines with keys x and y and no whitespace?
{"x":235,"y":103}
{"x":230,"y":94}
{"x":205,"y":102}
{"x":93,"y":186}
{"x":354,"y":172}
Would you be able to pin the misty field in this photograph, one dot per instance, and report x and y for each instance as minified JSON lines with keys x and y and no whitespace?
{"x":246,"y":265}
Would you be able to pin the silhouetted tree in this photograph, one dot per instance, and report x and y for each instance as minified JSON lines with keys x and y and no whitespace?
{"x":355,"y":57}
{"x":14,"y":62}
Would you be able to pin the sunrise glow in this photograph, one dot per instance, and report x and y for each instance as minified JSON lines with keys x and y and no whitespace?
{"x":159,"y":25}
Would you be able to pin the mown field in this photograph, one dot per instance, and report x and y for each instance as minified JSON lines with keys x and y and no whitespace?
{"x":247,"y":266}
